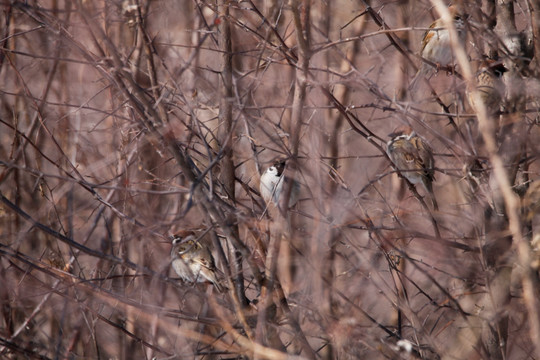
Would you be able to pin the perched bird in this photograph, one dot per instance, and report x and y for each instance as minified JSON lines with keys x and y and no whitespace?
{"x":436,"y":44}
{"x":413,"y":157}
{"x":489,"y":85}
{"x":192,"y":260}
{"x":271,"y":184}
{"x":531,"y":200}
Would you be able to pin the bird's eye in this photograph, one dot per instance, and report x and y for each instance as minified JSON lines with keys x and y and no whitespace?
{"x":204,"y":262}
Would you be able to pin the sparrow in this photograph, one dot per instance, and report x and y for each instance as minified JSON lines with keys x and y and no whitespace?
{"x":413,"y":157}
{"x":436,"y":44}
{"x":531,"y":200}
{"x":192,"y":260}
{"x":271,"y":184}
{"x":489,"y":85}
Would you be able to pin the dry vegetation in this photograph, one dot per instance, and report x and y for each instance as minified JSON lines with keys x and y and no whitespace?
{"x":124,"y":121}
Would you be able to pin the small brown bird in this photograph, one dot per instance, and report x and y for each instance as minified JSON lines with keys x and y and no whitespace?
{"x":531,"y":200}
{"x":489,"y":85}
{"x":436,"y":44}
{"x":413,"y":157}
{"x":192,"y":260}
